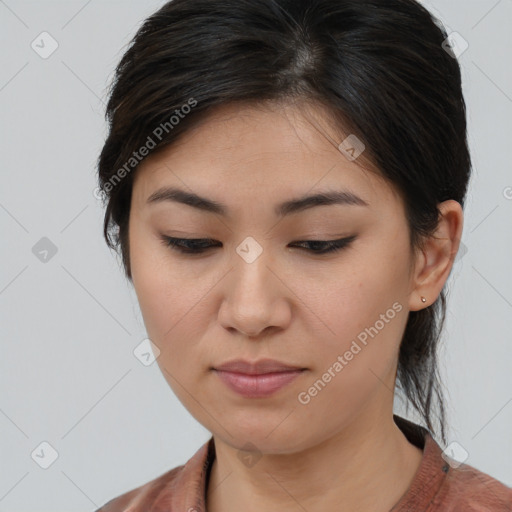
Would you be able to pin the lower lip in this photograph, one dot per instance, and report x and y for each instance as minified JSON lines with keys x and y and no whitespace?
{"x":257,"y":386}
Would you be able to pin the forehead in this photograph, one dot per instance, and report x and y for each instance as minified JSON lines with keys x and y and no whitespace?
{"x":256,"y":152}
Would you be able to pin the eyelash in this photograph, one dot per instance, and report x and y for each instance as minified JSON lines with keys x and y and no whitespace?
{"x":183,"y":245}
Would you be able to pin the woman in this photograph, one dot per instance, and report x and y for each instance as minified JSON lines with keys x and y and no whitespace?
{"x":285,"y":180}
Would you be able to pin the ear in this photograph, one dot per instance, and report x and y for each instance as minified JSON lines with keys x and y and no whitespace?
{"x":435,"y":260}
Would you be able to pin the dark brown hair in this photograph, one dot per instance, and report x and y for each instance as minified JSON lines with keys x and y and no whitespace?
{"x":381,"y":70}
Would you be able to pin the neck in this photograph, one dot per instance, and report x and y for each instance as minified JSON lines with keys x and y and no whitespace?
{"x":367,"y":466}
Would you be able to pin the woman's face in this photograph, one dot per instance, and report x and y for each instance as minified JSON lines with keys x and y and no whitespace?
{"x":260,"y":291}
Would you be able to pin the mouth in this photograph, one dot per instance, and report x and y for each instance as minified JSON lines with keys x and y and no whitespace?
{"x":257,"y":368}
{"x":259,"y":385}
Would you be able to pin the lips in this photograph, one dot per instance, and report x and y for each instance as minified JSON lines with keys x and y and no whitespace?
{"x":258,"y":379}
{"x":261,"y":367}
{"x":257,"y":386}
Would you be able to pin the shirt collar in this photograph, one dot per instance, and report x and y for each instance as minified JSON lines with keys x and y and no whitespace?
{"x":431,"y":472}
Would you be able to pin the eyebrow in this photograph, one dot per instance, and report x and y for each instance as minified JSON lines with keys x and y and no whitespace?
{"x":326,"y":198}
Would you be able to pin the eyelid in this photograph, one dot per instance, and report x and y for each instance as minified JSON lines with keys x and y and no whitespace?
{"x":180,"y":245}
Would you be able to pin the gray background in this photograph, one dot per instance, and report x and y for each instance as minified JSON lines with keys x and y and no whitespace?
{"x":68,"y":375}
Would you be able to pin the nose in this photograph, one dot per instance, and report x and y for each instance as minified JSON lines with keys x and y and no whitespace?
{"x":255,"y":299}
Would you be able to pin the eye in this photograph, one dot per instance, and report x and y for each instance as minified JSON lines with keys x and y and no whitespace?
{"x":188,"y":245}
{"x":326,"y":246}
{"x":200,"y":245}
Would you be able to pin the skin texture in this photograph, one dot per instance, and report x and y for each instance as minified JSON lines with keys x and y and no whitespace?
{"x":289,"y":304}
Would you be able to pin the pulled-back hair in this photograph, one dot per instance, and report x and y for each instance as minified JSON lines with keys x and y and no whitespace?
{"x":379,"y":68}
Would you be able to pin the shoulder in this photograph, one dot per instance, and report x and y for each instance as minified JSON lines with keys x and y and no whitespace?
{"x":170,"y":491}
{"x":142,"y":497}
{"x":467,"y":488}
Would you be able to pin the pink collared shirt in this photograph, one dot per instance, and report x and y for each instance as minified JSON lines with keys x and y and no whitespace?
{"x":438,"y":486}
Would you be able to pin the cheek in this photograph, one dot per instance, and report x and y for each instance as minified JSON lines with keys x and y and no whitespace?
{"x":357,"y":362}
{"x":168,"y":303}
{"x":157,"y":286}
{"x":354,"y":299}
{"x":173,"y":304}
{"x":363,"y":313}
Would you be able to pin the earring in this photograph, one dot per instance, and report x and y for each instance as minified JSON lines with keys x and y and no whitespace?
{"x":423,"y":299}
